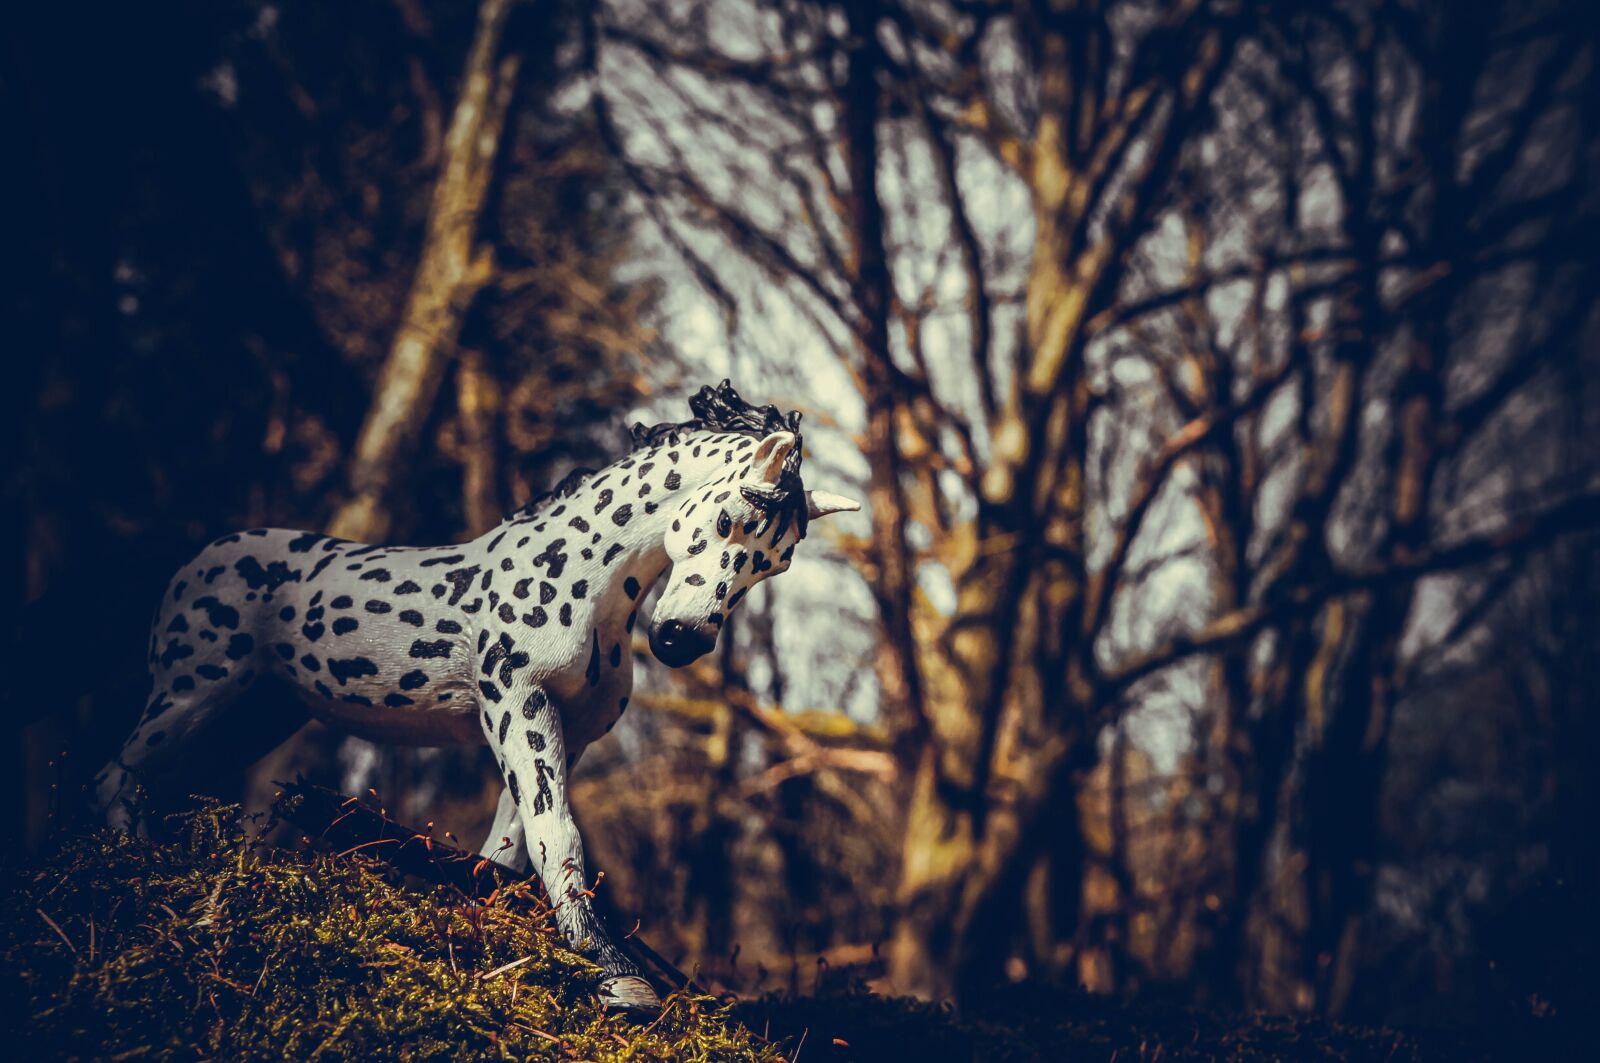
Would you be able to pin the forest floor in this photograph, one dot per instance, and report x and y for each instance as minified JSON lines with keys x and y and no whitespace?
{"x":215,"y":947}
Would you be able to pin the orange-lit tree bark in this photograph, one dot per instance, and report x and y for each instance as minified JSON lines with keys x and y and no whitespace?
{"x":454,"y":266}
{"x":1009,"y":691}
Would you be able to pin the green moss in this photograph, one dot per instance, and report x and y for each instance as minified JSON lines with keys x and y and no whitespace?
{"x":215,"y":948}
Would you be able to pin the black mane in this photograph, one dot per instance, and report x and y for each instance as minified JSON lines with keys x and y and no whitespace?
{"x":715,"y":409}
{"x":720,"y":409}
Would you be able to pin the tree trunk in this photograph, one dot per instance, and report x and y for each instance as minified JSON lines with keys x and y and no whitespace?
{"x":477,"y":405}
{"x":452,"y":269}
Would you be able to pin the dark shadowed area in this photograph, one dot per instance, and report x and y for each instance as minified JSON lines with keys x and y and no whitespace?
{"x":1218,"y":636}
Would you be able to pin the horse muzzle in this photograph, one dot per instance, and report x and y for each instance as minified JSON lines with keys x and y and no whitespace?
{"x":676,"y":644}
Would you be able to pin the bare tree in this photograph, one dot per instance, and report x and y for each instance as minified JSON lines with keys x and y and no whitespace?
{"x":1222,"y":272}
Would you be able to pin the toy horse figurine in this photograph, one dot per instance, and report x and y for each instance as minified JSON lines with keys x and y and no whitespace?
{"x":521,"y":636}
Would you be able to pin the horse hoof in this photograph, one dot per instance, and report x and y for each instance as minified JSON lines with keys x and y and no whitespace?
{"x":629,"y":992}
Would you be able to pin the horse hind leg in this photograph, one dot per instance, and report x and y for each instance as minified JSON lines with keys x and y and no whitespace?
{"x":165,"y":733}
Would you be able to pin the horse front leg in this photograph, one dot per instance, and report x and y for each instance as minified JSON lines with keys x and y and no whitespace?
{"x":528,"y":738}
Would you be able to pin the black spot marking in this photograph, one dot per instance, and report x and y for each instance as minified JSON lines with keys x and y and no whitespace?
{"x":520,"y":588}
{"x":537,"y":618}
{"x":611,"y":553}
{"x":286,"y":614}
{"x":630,"y":586}
{"x":217,"y":614}
{"x":616,"y":654}
{"x":344,"y":601}
{"x":536,"y":741}
{"x":496,"y":653}
{"x":623,"y":514}
{"x":423,"y":649}
{"x":444,"y":627}
{"x":310,"y":663}
{"x":379,"y":574}
{"x":182,"y":683}
{"x":505,"y":727}
{"x":507,"y":614}
{"x":722,"y":591}
{"x":673,"y":481}
{"x":537,"y":702}
{"x":354,"y":668}
{"x":408,"y":587}
{"x":699,"y":547}
{"x":179,"y":625}
{"x":509,"y":668}
{"x":275,"y":575}
{"x":580,"y":589}
{"x":239,"y":646}
{"x":211,"y":671}
{"x":544,"y":800}
{"x":489,"y":691}
{"x":447,"y":560}
{"x":461,"y":581}
{"x":593,"y":670}
{"x":345,"y":624}
{"x":175,"y":651}
{"x":285,"y":651}
{"x":413,"y":680}
{"x":414,"y":618}
{"x":566,"y":614}
{"x":395,"y":701}
{"x":694,"y":579}
{"x":547,"y":593}
{"x":553,"y":558}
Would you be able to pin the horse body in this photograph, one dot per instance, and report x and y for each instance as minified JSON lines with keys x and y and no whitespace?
{"x":521,"y":637}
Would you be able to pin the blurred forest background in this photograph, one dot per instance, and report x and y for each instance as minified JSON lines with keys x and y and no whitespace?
{"x":1221,"y":378}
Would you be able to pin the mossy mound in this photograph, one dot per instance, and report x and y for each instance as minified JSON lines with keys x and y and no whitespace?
{"x":217,"y":948}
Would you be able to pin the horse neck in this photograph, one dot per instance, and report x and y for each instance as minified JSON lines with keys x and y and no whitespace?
{"x":567,"y":525}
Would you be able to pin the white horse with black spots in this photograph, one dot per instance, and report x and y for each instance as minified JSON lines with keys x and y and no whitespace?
{"x":521,"y":636}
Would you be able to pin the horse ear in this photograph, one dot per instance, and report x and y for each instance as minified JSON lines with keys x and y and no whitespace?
{"x":771,"y":453}
{"x":821,"y":503}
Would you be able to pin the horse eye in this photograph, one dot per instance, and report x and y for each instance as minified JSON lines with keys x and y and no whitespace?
{"x":724,"y":524}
